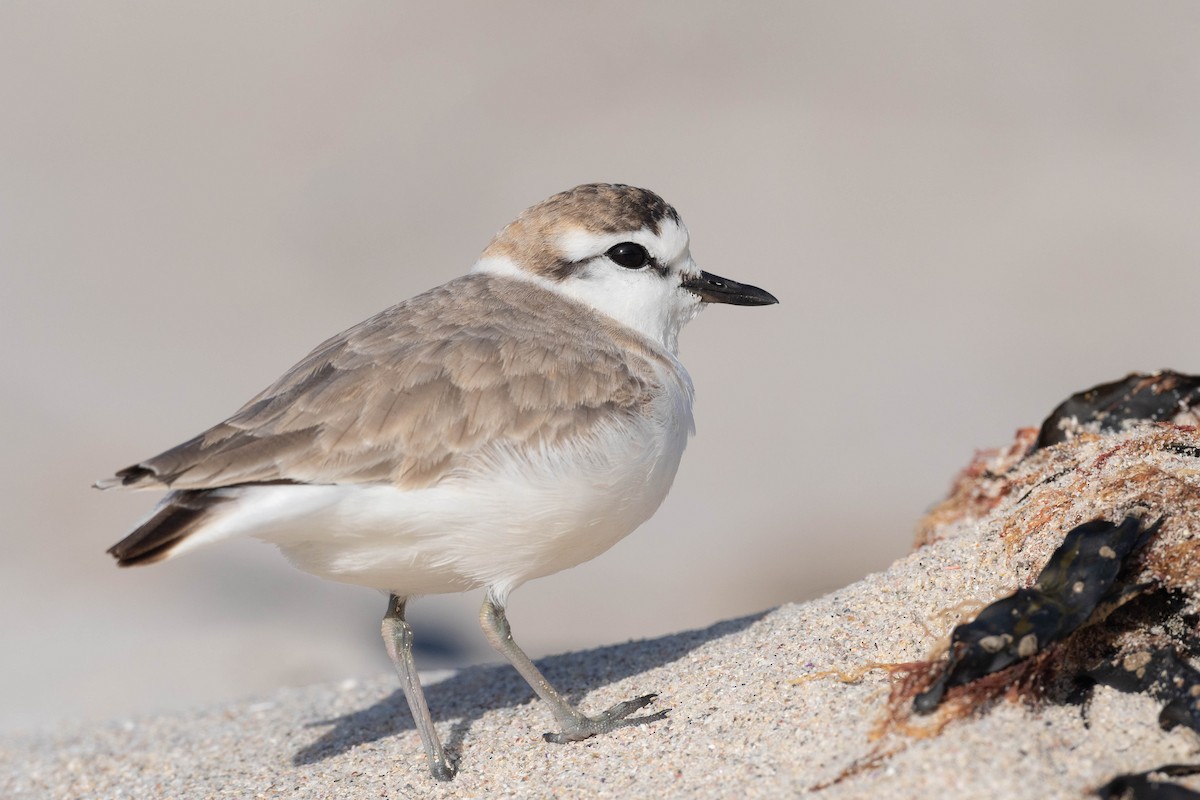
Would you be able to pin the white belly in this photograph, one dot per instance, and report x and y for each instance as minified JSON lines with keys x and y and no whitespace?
{"x":498,"y":525}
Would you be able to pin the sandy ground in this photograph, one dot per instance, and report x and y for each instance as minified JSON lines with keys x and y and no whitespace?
{"x":739,"y":724}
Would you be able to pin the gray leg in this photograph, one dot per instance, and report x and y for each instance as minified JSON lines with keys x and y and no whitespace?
{"x":398,"y":639}
{"x":575,"y":724}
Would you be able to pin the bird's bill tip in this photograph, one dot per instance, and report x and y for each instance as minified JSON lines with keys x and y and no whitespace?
{"x":715,"y":289}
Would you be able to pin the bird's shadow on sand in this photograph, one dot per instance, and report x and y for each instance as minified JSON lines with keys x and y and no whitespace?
{"x":472,"y":692}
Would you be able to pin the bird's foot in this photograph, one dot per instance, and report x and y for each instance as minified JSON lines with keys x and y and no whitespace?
{"x":443,"y":769}
{"x":581,"y":727}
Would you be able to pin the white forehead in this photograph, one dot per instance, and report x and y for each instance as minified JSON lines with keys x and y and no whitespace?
{"x":667,"y":246}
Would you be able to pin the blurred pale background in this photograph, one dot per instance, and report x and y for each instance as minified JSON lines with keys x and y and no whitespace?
{"x":968,"y":211}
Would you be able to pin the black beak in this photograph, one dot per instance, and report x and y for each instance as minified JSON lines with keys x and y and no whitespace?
{"x":715,"y":289}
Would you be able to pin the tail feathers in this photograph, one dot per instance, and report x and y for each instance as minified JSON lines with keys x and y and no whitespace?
{"x":181,"y":514}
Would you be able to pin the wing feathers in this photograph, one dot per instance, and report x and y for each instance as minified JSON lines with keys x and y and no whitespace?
{"x":408,"y":394}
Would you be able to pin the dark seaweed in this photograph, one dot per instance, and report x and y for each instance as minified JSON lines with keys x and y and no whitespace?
{"x":1139,"y":786}
{"x":1184,"y":450}
{"x":1139,"y":396}
{"x":1078,"y":578}
{"x":1163,"y":674}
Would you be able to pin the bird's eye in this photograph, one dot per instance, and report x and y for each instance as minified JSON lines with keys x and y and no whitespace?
{"x":628,"y":255}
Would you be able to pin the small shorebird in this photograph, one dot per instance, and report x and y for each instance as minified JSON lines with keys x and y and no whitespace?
{"x":506,"y":425}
